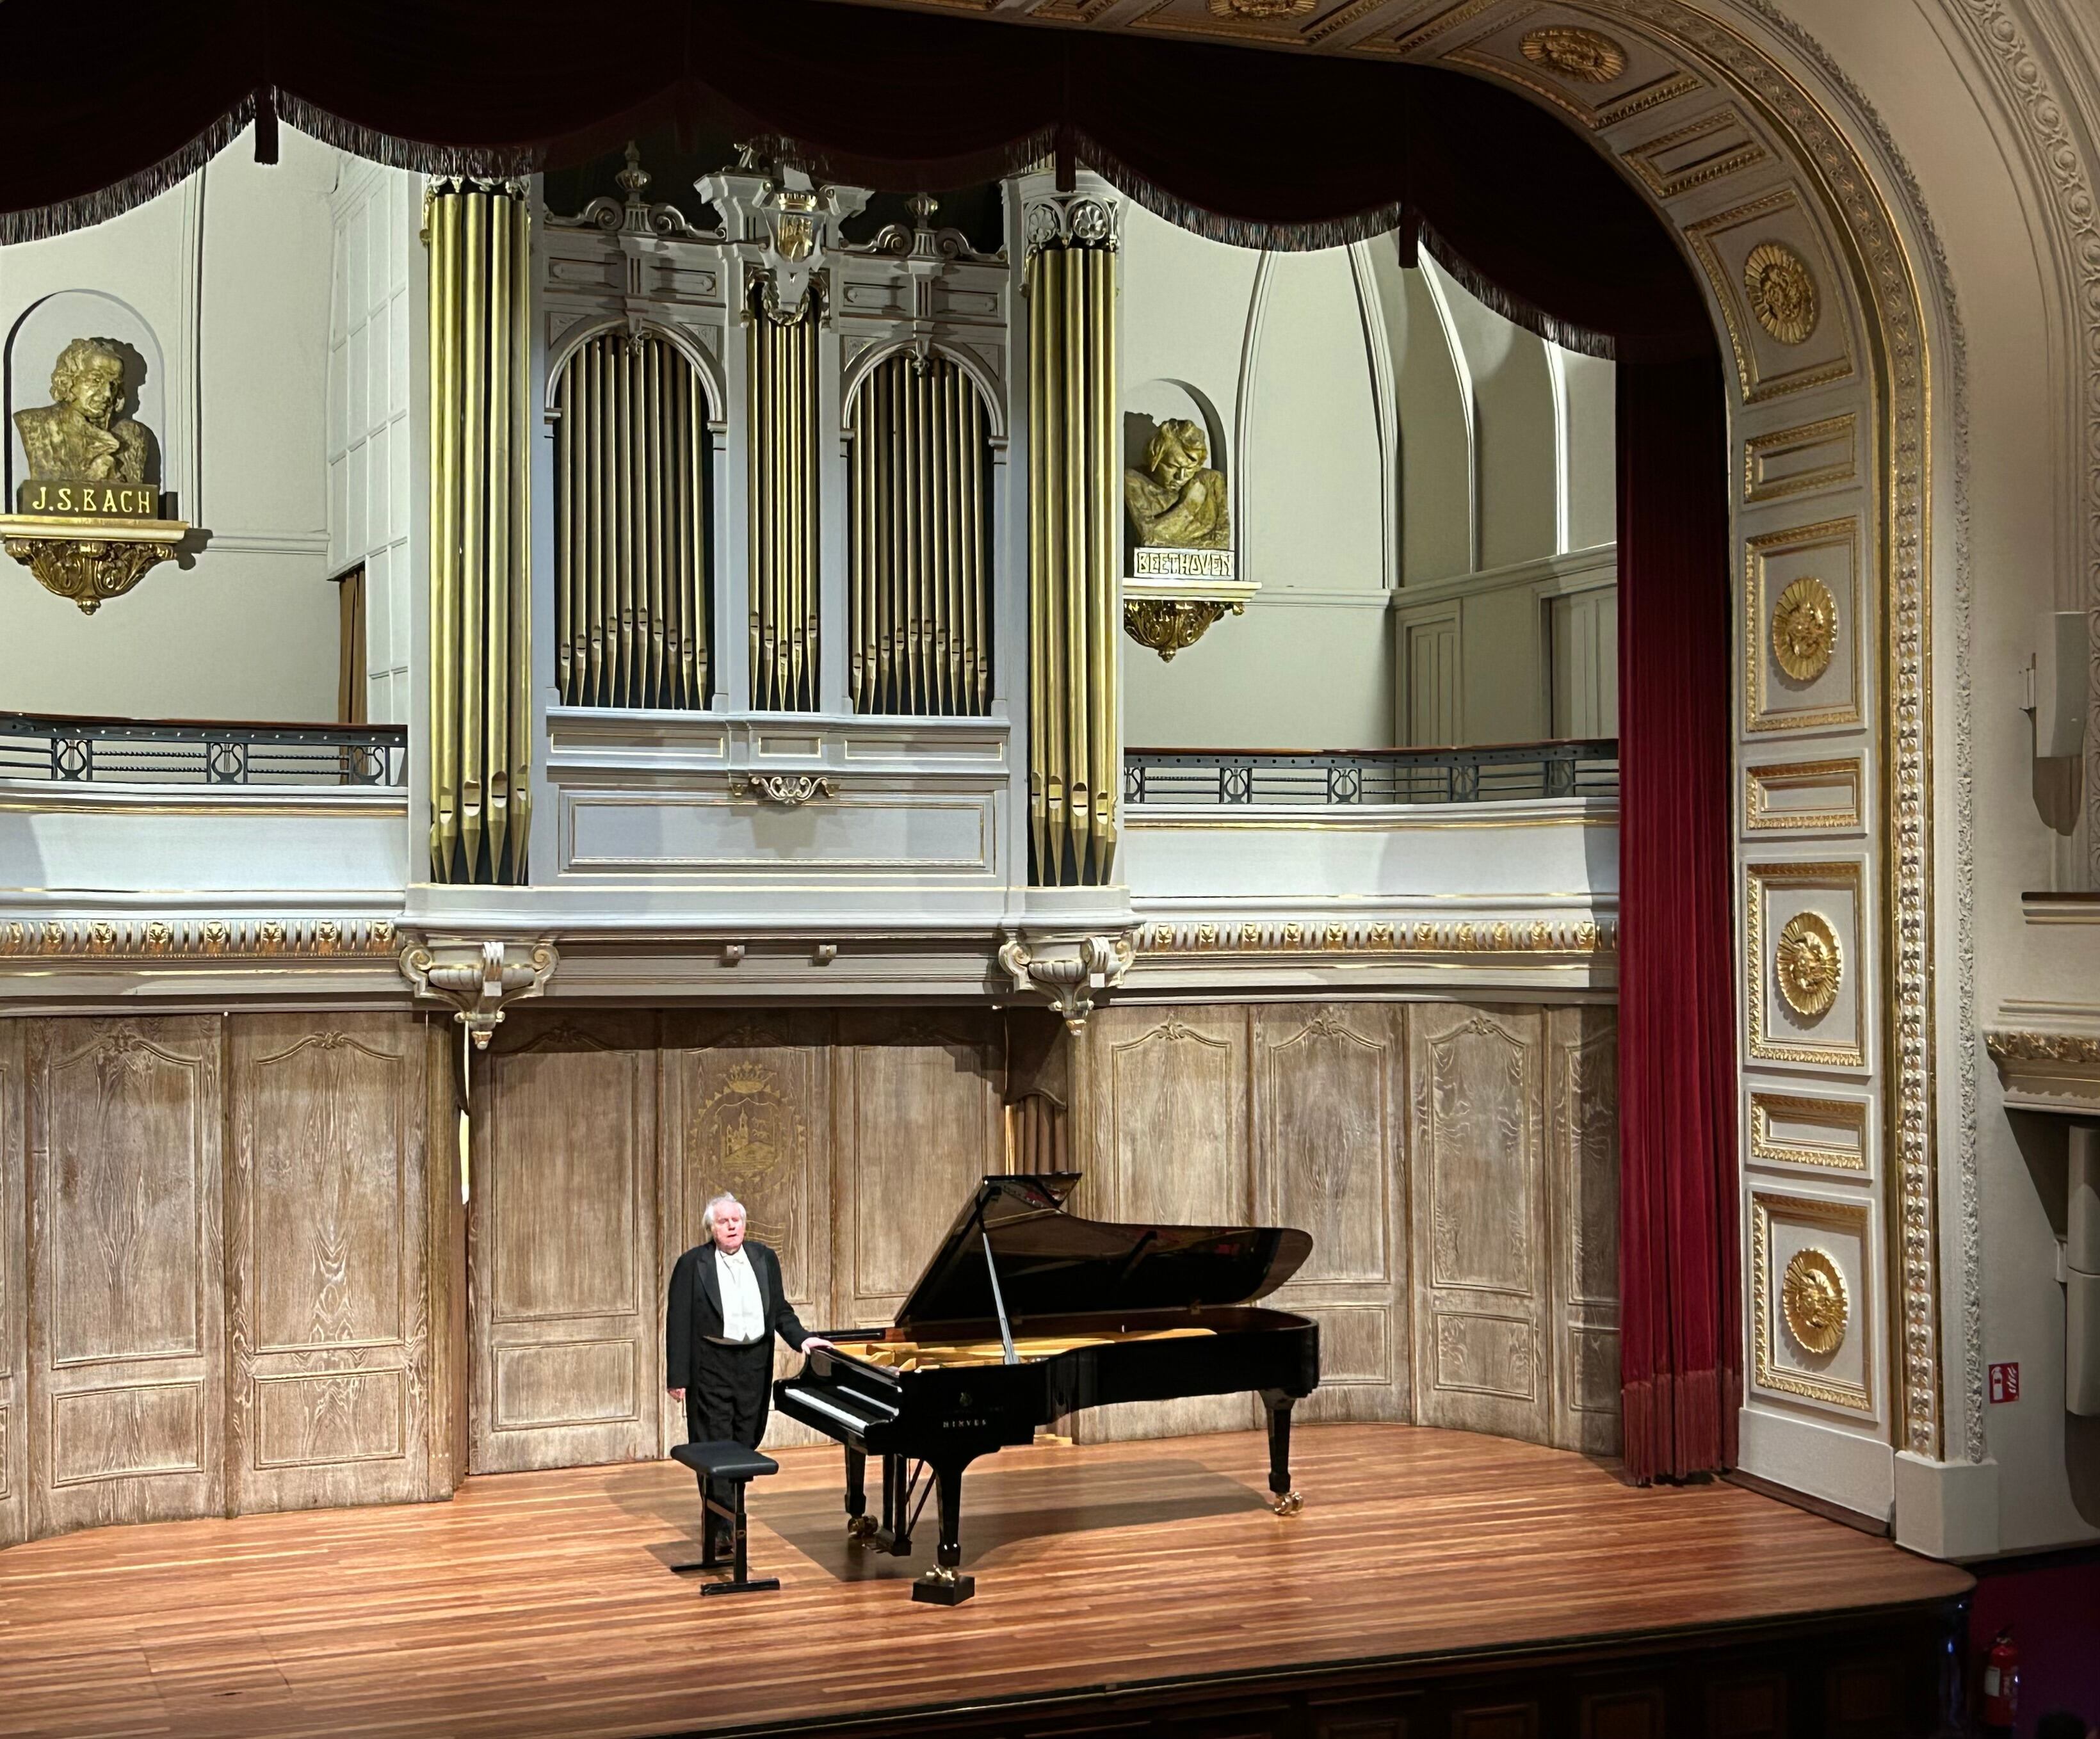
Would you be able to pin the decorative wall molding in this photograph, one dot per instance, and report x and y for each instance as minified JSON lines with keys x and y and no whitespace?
{"x":194,"y":938}
{"x":2048,"y":1057}
{"x":1267,"y":936}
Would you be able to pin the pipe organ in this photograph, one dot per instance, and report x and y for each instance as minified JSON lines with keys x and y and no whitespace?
{"x":790,"y":549}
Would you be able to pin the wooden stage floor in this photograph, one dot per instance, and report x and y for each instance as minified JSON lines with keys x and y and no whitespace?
{"x":540,"y":1603}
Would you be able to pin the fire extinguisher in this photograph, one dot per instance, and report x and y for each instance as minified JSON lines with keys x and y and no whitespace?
{"x":2001,"y":1682}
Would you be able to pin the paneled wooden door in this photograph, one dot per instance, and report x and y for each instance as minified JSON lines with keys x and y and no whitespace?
{"x":127,"y":1302}
{"x":328,"y":1261}
{"x":920,"y":1124}
{"x":1328,"y":1092}
{"x":1165,"y":1117}
{"x":747,"y":1112}
{"x":567,"y":1360}
{"x":1477,"y":1177}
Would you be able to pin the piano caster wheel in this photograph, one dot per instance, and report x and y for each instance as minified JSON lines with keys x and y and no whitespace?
{"x":944,"y":1588}
{"x":1289,"y":1504}
{"x":860,"y":1529}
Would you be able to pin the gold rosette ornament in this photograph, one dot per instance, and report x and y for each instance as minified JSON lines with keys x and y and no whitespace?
{"x":1812,"y":1294}
{"x":1811,"y":964}
{"x":1585,"y":56}
{"x":1804,"y":628}
{"x":1782,"y":291}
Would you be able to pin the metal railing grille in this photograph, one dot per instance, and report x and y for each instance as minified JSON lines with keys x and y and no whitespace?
{"x":129,"y":751}
{"x":1499,"y":773}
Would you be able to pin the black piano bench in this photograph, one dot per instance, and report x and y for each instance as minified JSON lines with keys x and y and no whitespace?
{"x":733,"y":1465}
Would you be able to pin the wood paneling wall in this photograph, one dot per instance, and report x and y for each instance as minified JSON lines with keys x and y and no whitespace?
{"x":561,"y":1231}
{"x":1165,"y":1095}
{"x":1458,"y":1168}
{"x":234,"y":1268}
{"x":329,"y":1262}
{"x":1328,"y":1095}
{"x":14,"y":1290}
{"x":748,"y":1111}
{"x":222,"y":1285}
{"x":127,"y":1277}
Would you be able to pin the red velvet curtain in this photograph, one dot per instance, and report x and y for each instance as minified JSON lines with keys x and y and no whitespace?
{"x":1680,"y":1354}
{"x":1316,"y":149}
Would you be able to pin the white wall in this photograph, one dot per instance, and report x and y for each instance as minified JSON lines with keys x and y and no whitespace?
{"x":1391,"y":438}
{"x":229,"y":272}
{"x":376,"y":213}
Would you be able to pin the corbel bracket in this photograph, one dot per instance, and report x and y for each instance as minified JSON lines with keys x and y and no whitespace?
{"x":479,"y":979}
{"x":1073,"y":975}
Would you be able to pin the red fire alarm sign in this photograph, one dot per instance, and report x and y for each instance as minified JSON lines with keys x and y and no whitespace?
{"x":2004,"y":1383}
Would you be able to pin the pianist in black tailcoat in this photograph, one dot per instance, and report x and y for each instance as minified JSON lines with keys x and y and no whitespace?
{"x":727,"y":1303}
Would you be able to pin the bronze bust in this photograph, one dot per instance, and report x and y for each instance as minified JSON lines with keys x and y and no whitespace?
{"x":79,"y":435}
{"x":1176,"y":502}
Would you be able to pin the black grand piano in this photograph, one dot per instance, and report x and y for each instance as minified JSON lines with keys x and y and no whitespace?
{"x":1027,"y":1312}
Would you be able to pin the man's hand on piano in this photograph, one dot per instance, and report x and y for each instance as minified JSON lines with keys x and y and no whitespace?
{"x":677,"y":1395}
{"x":814,"y":1344}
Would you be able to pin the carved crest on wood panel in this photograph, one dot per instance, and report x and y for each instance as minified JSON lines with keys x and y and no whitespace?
{"x":746,"y":1139}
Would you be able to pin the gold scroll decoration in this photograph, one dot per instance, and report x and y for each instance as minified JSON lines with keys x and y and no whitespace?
{"x":1074,"y":496}
{"x":631,"y":527}
{"x":783,"y":423}
{"x":1813,"y":1297}
{"x":1810,"y":965}
{"x":480,"y":717}
{"x":919,"y":632}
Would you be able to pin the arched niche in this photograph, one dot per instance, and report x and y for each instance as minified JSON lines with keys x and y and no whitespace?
{"x":45,"y":329}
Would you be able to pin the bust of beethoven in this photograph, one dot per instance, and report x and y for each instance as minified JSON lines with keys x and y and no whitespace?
{"x":79,"y":436}
{"x":1177,"y":502}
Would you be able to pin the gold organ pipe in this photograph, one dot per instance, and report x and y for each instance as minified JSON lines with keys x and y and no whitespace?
{"x":631,"y":529}
{"x":480,"y":533}
{"x":1074,"y":755}
{"x":495,"y":723}
{"x":473,"y":538}
{"x":919,"y":563}
{"x":520,"y":576}
{"x":444,"y":534}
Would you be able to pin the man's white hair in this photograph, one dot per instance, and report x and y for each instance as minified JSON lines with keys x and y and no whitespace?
{"x":707,"y":1214}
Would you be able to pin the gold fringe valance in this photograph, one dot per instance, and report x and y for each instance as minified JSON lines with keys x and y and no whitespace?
{"x":783,"y":506}
{"x":481,"y":591}
{"x":631,"y":567}
{"x":919,"y":632}
{"x":1074,"y":493}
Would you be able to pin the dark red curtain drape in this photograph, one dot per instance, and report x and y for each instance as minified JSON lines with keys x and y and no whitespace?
{"x":101,"y":114}
{"x":1681,"y":1362}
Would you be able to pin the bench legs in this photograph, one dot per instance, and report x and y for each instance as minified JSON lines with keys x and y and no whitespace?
{"x":740,"y":1579}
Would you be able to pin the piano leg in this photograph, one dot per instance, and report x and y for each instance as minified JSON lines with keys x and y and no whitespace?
{"x":1282,"y":1499}
{"x":945,"y":1585}
{"x":859,"y":1523}
{"x":895,"y":1536}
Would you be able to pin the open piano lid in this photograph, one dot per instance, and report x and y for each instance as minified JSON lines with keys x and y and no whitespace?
{"x":1052,"y":1263}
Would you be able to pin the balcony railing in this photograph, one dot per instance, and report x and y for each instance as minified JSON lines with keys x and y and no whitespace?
{"x":1493,"y":773}
{"x":199,"y":751}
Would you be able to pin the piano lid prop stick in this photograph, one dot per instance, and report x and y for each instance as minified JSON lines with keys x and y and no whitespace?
{"x":998,"y":1304}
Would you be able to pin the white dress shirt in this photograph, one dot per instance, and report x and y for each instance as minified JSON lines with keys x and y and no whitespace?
{"x":744,"y":1311}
